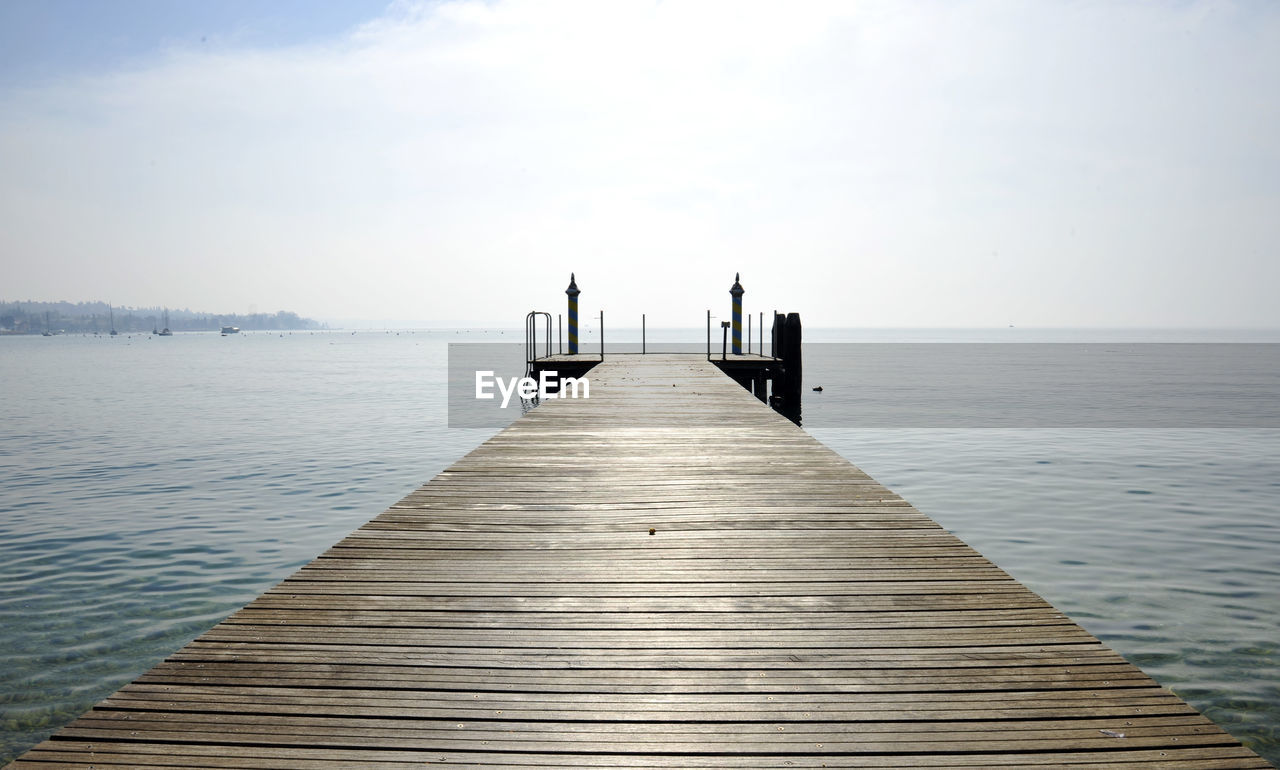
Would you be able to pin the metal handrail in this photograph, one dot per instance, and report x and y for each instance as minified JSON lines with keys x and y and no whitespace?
{"x":531,"y":335}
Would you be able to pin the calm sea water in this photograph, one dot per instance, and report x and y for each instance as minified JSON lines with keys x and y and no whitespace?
{"x":149,"y":487}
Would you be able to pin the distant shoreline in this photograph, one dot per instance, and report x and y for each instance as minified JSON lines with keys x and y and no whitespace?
{"x":31,"y":317}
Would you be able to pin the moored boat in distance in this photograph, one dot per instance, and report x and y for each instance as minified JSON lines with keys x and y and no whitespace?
{"x":165,"y":331}
{"x":230,"y":330}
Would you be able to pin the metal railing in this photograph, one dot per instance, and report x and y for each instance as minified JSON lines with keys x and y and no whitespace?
{"x":531,"y":335}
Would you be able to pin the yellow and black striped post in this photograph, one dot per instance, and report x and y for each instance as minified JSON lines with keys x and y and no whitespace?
{"x":573,"y":293}
{"x":737,"y":291}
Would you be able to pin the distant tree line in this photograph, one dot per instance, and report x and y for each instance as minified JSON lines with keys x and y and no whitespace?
{"x":96,"y":318}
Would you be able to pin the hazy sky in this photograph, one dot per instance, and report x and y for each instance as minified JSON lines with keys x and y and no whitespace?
{"x":864,"y":163}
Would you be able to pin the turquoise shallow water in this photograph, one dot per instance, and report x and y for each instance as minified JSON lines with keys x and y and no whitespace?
{"x":148,"y":487}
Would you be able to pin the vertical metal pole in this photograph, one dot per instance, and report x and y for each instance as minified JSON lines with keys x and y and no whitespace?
{"x":560,"y":330}
{"x":708,"y":335}
{"x":573,"y":293}
{"x":642,"y":334}
{"x":601,"y":335}
{"x":748,"y":334}
{"x":762,"y":332}
{"x":737,"y":291}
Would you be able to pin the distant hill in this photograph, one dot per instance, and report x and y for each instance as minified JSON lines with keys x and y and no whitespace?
{"x":28,"y":317}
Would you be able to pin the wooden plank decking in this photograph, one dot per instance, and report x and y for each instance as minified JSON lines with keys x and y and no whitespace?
{"x":787,"y":611}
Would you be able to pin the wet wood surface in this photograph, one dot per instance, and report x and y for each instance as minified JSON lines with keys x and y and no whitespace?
{"x":666,"y":574}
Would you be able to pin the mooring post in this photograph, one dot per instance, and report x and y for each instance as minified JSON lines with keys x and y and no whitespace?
{"x":737,"y":291}
{"x":724,"y":339}
{"x":792,"y":364}
{"x":573,"y":293}
{"x":786,"y":350}
{"x":775,"y":337}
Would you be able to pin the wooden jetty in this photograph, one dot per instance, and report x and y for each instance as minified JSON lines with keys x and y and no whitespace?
{"x":666,"y":574}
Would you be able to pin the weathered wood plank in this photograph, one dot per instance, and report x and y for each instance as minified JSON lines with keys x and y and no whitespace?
{"x":787,"y":610}
{"x":81,"y":754}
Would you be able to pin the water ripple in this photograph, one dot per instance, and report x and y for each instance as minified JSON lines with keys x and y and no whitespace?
{"x":1178,"y":572}
{"x":131,"y":524}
